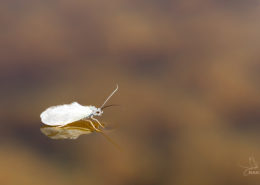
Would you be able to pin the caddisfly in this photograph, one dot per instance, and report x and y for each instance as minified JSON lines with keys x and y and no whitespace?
{"x":63,"y":115}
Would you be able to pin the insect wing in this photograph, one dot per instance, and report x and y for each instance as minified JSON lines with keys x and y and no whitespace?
{"x":64,"y":114}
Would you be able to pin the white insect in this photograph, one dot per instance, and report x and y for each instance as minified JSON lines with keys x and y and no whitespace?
{"x":62,"y":115}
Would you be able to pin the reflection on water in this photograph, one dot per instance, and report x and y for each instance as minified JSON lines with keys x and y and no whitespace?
{"x":189,"y":75}
{"x":74,"y":130}
{"x":70,"y":131}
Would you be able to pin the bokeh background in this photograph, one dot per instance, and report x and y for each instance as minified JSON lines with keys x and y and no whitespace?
{"x":189,"y":77}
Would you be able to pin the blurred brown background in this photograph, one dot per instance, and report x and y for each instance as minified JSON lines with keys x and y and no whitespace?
{"x":188,"y":72}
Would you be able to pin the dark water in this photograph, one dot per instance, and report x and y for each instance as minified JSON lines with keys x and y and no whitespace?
{"x":188,"y":75}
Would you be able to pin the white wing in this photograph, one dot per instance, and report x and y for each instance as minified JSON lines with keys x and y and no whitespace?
{"x":64,"y":114}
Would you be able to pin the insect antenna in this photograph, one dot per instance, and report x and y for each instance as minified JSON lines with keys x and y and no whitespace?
{"x":102,"y":107}
{"x":111,"y":141}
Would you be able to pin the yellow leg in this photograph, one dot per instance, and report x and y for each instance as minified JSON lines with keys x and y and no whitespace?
{"x":97,"y":121}
{"x":92,"y":125}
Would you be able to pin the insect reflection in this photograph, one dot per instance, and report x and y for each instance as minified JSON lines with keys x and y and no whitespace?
{"x":74,"y":130}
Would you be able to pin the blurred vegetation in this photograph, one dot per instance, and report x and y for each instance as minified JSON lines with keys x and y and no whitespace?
{"x":188,"y":73}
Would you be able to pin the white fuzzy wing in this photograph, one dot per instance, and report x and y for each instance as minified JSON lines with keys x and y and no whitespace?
{"x":64,"y":114}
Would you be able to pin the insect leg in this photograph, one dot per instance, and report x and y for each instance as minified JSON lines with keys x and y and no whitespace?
{"x":92,"y":124}
{"x":97,"y":121}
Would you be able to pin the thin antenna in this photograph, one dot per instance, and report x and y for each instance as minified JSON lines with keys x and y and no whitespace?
{"x":112,"y":141}
{"x":110,"y":96}
{"x":104,"y":107}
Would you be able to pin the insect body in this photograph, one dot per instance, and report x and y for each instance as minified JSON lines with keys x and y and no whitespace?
{"x":63,"y":115}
